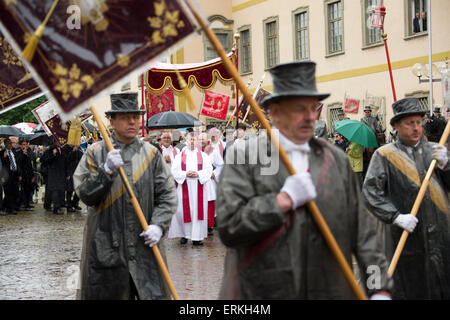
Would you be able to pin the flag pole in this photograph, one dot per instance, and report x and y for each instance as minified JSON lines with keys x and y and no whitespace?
{"x":135,"y":203}
{"x":312,"y":207}
{"x":236,"y":38}
{"x":143,"y":106}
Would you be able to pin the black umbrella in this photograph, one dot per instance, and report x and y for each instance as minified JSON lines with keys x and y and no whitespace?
{"x":172,"y":120}
{"x":9,"y":131}
{"x":39,"y":139}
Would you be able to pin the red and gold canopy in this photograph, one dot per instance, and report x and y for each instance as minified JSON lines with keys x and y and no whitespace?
{"x":203,"y":75}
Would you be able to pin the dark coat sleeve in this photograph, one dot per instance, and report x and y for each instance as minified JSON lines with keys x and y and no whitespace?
{"x":91,"y":182}
{"x":244,"y":216}
{"x":375,"y":190}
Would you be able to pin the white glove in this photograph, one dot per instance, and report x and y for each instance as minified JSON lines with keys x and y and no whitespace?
{"x":377,"y":296}
{"x":152,"y":235}
{"x":440,"y":155}
{"x":406,"y":221}
{"x":300,"y":189}
{"x":113,"y":161}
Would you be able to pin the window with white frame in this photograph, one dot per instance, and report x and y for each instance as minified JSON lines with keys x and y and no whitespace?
{"x":301,"y":33}
{"x":335,"y":26}
{"x":371,"y":35}
{"x":416,"y":17}
{"x":245,"y":51}
{"x":225,"y":38}
{"x":271,"y":42}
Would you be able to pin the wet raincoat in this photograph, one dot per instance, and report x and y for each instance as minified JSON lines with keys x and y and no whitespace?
{"x":391,"y":186}
{"x":275,"y":255}
{"x":113,"y":252}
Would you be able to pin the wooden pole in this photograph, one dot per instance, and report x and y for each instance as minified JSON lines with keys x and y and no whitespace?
{"x":136,"y":206}
{"x":416,"y":206}
{"x":312,"y":208}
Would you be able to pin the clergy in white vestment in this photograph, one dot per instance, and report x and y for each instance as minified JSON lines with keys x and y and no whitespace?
{"x":168,"y":151}
{"x":216,"y":141}
{"x":191,"y":169}
{"x":211,"y":186}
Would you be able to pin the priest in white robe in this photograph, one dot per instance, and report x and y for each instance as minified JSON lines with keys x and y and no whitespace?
{"x":191,"y":169}
{"x":216,"y":141}
{"x":168,"y":150}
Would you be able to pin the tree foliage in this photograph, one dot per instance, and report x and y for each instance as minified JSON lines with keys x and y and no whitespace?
{"x":22,"y":113}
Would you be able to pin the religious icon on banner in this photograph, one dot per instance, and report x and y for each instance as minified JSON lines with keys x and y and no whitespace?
{"x":163,"y":103}
{"x":351,"y":105}
{"x":215,"y":105}
{"x":16,"y":83}
{"x":60,"y":129}
{"x":45,"y":112}
{"x":89,"y":45}
{"x":246,"y":112}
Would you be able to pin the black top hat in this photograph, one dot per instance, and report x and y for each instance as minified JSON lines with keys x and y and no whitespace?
{"x":341,"y":112}
{"x":367,"y":108}
{"x":437,"y":110}
{"x":406,"y":107}
{"x":295,"y":79}
{"x":124,"y":103}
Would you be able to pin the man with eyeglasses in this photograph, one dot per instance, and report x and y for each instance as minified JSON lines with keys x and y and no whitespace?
{"x":275,"y":250}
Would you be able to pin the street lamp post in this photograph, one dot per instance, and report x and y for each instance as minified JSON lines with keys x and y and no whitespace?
{"x":377,"y":21}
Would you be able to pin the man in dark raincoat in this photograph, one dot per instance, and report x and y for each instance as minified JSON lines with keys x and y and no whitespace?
{"x":116,"y":263}
{"x":391,"y":186}
{"x":275,"y":250}
{"x":55,"y":161}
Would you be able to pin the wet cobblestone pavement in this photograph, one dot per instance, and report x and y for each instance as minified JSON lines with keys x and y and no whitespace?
{"x":40,"y":258}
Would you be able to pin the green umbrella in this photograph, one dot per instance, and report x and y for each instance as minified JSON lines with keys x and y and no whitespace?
{"x":358,"y":132}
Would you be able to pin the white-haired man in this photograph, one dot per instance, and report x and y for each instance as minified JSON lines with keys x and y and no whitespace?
{"x":169,"y":152}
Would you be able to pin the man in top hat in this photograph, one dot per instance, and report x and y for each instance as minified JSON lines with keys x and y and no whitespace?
{"x":275,"y":250}
{"x":371,"y":121}
{"x":117,"y":261}
{"x":341,"y":116}
{"x":435,"y":125}
{"x":391,"y":186}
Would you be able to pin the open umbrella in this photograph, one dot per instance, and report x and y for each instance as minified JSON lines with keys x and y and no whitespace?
{"x":25,"y":127}
{"x":358,"y":132}
{"x":172,"y":120}
{"x":39,"y":139}
{"x":8,"y":131}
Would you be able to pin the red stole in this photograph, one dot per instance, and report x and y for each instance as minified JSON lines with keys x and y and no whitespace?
{"x":185,"y":191}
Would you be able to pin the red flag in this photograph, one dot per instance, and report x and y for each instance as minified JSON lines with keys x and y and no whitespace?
{"x":215,"y":105}
{"x":351,"y":105}
{"x":163,"y":103}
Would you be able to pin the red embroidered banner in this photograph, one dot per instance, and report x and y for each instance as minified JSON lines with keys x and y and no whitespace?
{"x":163,"y":103}
{"x":16,"y":83}
{"x":351,"y":105}
{"x":88,"y":46}
{"x":215,"y":105}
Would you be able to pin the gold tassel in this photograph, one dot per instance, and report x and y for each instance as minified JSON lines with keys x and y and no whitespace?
{"x":30,"y":49}
{"x":186,"y":91}
{"x":70,"y":136}
{"x":74,"y":137}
